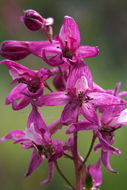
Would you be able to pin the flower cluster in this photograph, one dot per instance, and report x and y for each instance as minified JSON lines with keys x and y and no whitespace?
{"x":103,"y":111}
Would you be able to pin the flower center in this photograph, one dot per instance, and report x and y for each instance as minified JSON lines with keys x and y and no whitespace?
{"x":32,"y":84}
{"x":82,"y":98}
{"x":47,"y":150}
{"x":66,"y":51}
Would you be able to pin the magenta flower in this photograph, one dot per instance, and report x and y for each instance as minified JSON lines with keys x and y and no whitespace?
{"x":69,"y":38}
{"x":113,"y":122}
{"x":80,"y":97}
{"x":69,"y":48}
{"x":105,"y":143}
{"x":31,"y":84}
{"x":36,"y":136}
{"x":64,"y":47}
{"x":113,"y":117}
{"x":102,"y":111}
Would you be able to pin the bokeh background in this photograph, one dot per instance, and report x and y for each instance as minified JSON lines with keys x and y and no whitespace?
{"x":102,"y":23}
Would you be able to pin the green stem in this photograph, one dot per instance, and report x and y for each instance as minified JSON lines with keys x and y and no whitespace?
{"x":48,"y":87}
{"x":89,"y":151}
{"x":68,"y":156}
{"x":63,"y":176}
{"x":76,"y":160}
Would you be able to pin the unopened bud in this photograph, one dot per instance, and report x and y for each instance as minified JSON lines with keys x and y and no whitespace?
{"x":59,"y":82}
{"x":32,"y":19}
{"x":14,"y":50}
{"x":88,"y":182}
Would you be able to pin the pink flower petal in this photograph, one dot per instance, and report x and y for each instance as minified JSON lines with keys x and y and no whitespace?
{"x":81,"y":126}
{"x":69,"y":113}
{"x":88,"y":111}
{"x":51,"y":169}
{"x":69,"y":33}
{"x":106,"y":146}
{"x":37,"y":47}
{"x":79,"y":70}
{"x":87,"y":51}
{"x":35,"y":162}
{"x":16,"y":93}
{"x":22,"y":104}
{"x":105,"y":158}
{"x":53,"y":61}
{"x":36,"y":119}
{"x":96,"y":173}
{"x":104,"y":99}
{"x":53,"y":99}
{"x":18,"y":71}
{"x":13,"y":135}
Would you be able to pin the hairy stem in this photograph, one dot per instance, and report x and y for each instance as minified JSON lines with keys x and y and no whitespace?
{"x":63,"y":176}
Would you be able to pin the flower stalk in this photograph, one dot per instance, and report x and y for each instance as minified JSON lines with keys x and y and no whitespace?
{"x":89,"y":151}
{"x":63,"y":176}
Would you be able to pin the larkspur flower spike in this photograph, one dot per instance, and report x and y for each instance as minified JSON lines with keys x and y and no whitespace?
{"x":103,"y":112}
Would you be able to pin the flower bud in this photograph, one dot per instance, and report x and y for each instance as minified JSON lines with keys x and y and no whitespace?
{"x":59,"y":83}
{"x":14,"y":50}
{"x":88,"y":182}
{"x":32,"y":19}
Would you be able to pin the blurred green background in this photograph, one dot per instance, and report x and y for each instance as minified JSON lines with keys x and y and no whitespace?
{"x":102,"y":23}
